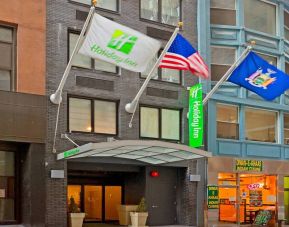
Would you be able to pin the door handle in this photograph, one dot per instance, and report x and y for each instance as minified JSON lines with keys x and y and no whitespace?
{"x":154,"y":206}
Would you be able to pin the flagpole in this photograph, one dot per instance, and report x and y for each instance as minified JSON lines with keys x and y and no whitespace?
{"x":56,"y":98}
{"x":131,"y":107}
{"x":228,"y":73}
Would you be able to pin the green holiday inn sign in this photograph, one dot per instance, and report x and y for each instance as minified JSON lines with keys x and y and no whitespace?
{"x":196,"y":116}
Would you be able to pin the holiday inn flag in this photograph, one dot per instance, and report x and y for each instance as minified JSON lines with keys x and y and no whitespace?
{"x":117,"y":44}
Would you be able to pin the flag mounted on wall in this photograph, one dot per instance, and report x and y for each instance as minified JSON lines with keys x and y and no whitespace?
{"x":260,"y":77}
{"x":183,"y":56}
{"x":118,"y":44}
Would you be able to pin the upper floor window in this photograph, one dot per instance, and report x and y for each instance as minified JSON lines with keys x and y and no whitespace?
{"x":105,"y":4}
{"x":164,"y":11}
{"x":260,"y":125}
{"x":160,"y":123}
{"x":286,"y":25}
{"x":88,"y":115}
{"x":221,"y":60}
{"x":85,"y":61}
{"x":6,"y":58}
{"x":227,"y":121}
{"x":163,"y":74}
{"x":286,"y":128}
{"x":260,"y":16}
{"x":223,"y":12}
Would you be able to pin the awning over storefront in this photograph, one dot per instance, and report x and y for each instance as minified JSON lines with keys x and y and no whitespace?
{"x":147,"y":151}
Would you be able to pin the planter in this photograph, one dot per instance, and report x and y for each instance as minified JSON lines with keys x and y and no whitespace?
{"x":123,"y":213}
{"x":138,"y":218}
{"x":76,"y":219}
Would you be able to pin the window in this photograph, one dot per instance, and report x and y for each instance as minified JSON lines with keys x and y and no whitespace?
{"x":104,"y":4}
{"x":160,"y":123}
{"x":163,"y":74}
{"x":223,"y":12}
{"x":271,"y":59}
{"x":6,"y":59}
{"x":97,"y":116}
{"x":260,"y":125}
{"x":164,"y":11}
{"x":260,"y":16}
{"x":221,"y":60}
{"x":7,"y":186}
{"x":227,"y":122}
{"x":286,"y":128}
{"x":286,"y":25}
{"x":86,"y":62}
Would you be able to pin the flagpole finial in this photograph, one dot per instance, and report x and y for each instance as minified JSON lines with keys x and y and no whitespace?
{"x":180,"y":24}
{"x":94,"y":2}
{"x":253,"y":42}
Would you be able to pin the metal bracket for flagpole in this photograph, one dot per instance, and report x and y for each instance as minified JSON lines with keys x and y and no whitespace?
{"x":56,"y":97}
{"x":228,"y":73}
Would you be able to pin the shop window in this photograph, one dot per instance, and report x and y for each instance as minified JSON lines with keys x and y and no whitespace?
{"x":223,"y":12}
{"x":160,"y":123}
{"x":164,"y":11}
{"x":104,"y":4}
{"x":221,"y":60}
{"x":286,"y":25}
{"x":260,"y":16}
{"x":7,"y":187}
{"x":6,"y":58}
{"x":227,"y":122}
{"x":286,"y":129}
{"x":96,"y":116}
{"x":260,"y":125}
{"x":83,"y":61}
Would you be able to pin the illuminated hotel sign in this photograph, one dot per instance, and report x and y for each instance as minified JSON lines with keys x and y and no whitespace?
{"x":249,"y":165}
{"x":213,"y":197}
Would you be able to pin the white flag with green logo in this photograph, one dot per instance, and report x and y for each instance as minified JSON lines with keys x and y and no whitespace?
{"x":117,"y":44}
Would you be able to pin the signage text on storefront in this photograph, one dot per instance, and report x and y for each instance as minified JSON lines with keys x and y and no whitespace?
{"x":213,"y":197}
{"x":249,"y":165}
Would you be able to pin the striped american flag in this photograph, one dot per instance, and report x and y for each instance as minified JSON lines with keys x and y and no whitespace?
{"x":182,"y":56}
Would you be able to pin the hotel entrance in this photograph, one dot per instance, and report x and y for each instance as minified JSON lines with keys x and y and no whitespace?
{"x":99,"y":203}
{"x":243,"y":196}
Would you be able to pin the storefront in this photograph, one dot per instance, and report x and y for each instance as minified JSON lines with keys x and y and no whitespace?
{"x":245,"y":187}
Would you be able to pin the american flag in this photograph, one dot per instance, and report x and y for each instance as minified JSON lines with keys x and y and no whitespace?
{"x":181,"y":55}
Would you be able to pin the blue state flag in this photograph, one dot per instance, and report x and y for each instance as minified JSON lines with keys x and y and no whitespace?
{"x":257,"y":75}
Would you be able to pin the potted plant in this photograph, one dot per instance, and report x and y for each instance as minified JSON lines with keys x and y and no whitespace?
{"x":139,"y":217}
{"x":75,"y":216}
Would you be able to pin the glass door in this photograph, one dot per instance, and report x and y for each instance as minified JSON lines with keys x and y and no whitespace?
{"x":93,"y":203}
{"x":112,"y":200}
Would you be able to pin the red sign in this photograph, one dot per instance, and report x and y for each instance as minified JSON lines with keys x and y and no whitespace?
{"x":154,"y":173}
{"x":254,"y":186}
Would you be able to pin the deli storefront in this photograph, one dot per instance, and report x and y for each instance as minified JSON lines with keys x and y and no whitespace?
{"x":240,"y":189}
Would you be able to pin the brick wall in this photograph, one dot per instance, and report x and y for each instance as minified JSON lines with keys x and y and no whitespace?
{"x":61,"y":15}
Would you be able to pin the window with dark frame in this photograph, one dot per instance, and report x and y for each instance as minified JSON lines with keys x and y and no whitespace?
{"x":163,"y":74}
{"x":103,"y":4}
{"x":92,"y":115}
{"x":7,"y":187}
{"x":286,"y":25}
{"x":7,"y":58}
{"x":160,"y":123}
{"x":86,"y":62}
{"x":163,"y":11}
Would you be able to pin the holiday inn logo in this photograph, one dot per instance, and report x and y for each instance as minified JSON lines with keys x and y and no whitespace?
{"x":122,"y":42}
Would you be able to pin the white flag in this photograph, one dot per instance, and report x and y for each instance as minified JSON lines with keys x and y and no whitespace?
{"x":117,"y":44}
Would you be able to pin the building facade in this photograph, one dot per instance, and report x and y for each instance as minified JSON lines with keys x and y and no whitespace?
{"x":22,"y":111}
{"x":98,"y":160}
{"x":247,"y":135}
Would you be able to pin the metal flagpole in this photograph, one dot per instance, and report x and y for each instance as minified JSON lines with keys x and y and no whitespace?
{"x":131,"y":107}
{"x":56,"y":97}
{"x":228,"y":73}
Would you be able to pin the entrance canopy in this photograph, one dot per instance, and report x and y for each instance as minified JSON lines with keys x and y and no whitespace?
{"x":148,"y":151}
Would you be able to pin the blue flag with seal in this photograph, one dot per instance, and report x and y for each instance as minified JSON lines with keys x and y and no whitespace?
{"x":260,"y":77}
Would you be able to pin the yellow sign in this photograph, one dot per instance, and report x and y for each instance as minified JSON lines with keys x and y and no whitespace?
{"x":249,"y":165}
